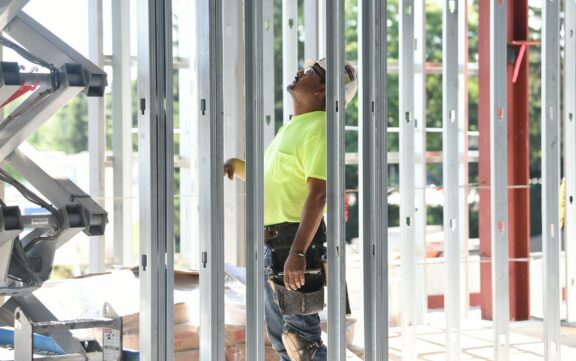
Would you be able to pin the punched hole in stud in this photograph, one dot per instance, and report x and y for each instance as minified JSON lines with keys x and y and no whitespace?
{"x":453,"y":224}
{"x":266,"y":25}
{"x":570,"y":116}
{"x":290,"y":23}
{"x":452,"y":115}
{"x":408,"y":221}
{"x":571,"y":199}
{"x":551,"y":113}
{"x":552,"y":232}
{"x":500,"y":113}
{"x":501,"y":227}
{"x":452,"y":6}
{"x":408,"y":116}
{"x":571,"y":33}
{"x":408,"y":9}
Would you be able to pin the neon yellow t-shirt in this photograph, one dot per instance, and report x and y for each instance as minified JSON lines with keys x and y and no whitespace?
{"x":298,"y":152}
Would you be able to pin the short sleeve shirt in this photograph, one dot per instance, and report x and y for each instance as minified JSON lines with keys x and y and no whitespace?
{"x":298,"y":152}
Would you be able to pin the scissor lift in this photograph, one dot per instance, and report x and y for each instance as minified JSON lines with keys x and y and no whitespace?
{"x":25,"y":263}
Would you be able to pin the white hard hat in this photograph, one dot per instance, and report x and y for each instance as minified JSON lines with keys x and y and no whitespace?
{"x":350,"y":79}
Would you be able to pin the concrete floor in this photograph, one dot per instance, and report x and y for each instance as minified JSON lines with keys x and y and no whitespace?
{"x":476,"y":337}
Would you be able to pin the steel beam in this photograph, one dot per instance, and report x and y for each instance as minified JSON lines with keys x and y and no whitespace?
{"x":96,"y":130}
{"x":254,"y":33}
{"x":210,"y":65}
{"x":499,"y":178}
{"x":451,"y":181}
{"x":570,"y":156}
{"x":519,"y":168}
{"x":122,"y":132}
{"x":156,"y":156}
{"x":551,"y":176}
{"x":289,"y":51}
{"x":373,"y":109}
{"x":407,"y":160}
{"x":335,"y":109}
{"x":420,"y":211}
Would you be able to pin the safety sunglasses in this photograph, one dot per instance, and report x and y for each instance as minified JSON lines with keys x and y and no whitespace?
{"x":310,"y":70}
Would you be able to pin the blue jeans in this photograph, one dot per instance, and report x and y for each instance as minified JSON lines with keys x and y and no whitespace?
{"x":305,"y":325}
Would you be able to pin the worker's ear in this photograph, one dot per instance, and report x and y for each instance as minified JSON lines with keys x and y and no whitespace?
{"x":321,"y":91}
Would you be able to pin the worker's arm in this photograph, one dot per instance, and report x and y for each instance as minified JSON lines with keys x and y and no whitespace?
{"x":235,"y":167}
{"x":295,"y":266}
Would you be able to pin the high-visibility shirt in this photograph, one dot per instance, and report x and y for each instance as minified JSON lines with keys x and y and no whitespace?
{"x":298,"y":152}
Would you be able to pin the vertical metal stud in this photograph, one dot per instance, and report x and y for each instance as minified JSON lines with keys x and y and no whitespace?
{"x":321,"y":28}
{"x":254,"y":30}
{"x":570,"y":156}
{"x":311,"y":29}
{"x":463,"y":229}
{"x":407,"y":159}
{"x":188,"y":89}
{"x":268,"y":72}
{"x":155,"y":146}
{"x":499,"y":178}
{"x":420,"y":211}
{"x":336,"y":183}
{"x":289,"y":51}
{"x":234,"y":102}
{"x":210,"y":66}
{"x":551,"y":176}
{"x":96,"y":127}
{"x":122,"y":132}
{"x":451,"y":180}
{"x":373,"y":128}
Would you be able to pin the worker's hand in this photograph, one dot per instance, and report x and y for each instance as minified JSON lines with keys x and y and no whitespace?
{"x":294,"y":268}
{"x":235,"y":167}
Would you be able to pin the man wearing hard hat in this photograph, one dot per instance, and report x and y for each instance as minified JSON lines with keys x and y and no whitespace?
{"x":294,"y":201}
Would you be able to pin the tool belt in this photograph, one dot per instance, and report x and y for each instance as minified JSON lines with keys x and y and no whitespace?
{"x":309,"y":298}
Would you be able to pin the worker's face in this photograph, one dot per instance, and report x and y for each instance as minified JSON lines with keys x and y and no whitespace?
{"x":308,"y":82}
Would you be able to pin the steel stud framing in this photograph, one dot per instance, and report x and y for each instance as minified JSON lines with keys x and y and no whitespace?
{"x":210,"y":67}
{"x":373,"y":107}
{"x":155,"y":145}
{"x":451,"y":178}
{"x":255,"y":179}
{"x":499,"y":178}
{"x":335,"y":187}
{"x":289,"y":50}
{"x":551,"y":176}
{"x":407,"y":160}
{"x":570,"y":156}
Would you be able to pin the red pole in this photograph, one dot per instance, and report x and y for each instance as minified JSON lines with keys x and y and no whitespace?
{"x":518,"y":163}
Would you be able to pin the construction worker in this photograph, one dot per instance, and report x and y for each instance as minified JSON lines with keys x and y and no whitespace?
{"x":294,"y":201}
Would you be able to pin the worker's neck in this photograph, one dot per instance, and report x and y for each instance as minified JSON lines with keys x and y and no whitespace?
{"x":300,"y":108}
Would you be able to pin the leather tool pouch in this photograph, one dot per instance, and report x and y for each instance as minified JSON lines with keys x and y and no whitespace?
{"x":309,"y":298}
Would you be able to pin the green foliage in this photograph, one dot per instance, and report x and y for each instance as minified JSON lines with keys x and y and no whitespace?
{"x":67,"y":130}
